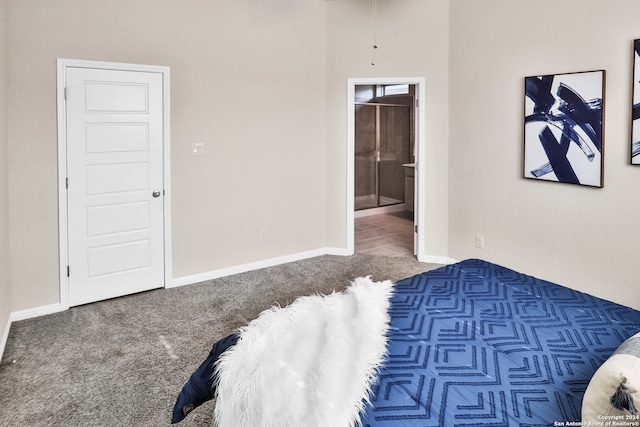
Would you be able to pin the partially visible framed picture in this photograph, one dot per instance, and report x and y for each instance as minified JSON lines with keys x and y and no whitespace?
{"x":635,"y":120}
{"x":563,"y":135}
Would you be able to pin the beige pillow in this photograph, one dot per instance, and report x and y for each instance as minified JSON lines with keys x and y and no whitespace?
{"x":615,"y":384}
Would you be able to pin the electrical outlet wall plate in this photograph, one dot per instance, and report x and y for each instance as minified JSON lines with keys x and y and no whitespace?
{"x":197,"y":149}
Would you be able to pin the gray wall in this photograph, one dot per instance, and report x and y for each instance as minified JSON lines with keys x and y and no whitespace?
{"x":5,"y":275}
{"x":584,"y":238}
{"x":246,"y":77}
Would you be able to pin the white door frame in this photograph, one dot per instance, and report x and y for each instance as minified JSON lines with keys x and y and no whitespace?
{"x":63,"y":64}
{"x":419,"y":211}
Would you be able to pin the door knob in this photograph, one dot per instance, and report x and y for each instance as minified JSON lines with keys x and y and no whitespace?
{"x":156,"y":194}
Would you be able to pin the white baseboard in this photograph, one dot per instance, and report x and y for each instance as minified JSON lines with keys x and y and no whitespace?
{"x":24,"y":315}
{"x":379,"y":211}
{"x":35,"y":312}
{"x":434,"y":259}
{"x":5,"y":337}
{"x":337,"y":251}
{"x":243,"y":268}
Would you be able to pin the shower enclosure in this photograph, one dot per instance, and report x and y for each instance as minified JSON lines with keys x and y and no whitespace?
{"x":382,"y":146}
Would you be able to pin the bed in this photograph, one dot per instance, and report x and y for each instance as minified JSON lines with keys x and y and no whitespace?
{"x":468,"y":344}
{"x":477,"y":344}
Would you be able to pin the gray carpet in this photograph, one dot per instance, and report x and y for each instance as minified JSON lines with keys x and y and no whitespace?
{"x":123,"y":362}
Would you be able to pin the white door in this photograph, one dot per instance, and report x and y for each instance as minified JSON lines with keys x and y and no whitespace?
{"x":114,"y":128}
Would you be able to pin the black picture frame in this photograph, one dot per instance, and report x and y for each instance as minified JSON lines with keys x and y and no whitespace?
{"x":635,"y":105}
{"x":564,"y":124}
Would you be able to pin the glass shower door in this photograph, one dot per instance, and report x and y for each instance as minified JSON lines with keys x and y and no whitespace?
{"x":394,"y":150}
{"x":365,"y":157}
{"x":382,"y":146}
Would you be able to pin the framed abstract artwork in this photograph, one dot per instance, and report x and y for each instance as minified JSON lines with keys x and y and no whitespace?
{"x":635,"y":111}
{"x":563,"y":128}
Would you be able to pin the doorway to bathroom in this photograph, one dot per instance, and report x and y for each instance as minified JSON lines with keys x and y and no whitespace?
{"x":385,"y":137}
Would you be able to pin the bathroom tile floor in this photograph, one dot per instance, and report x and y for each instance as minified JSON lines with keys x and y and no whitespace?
{"x":389,"y":234}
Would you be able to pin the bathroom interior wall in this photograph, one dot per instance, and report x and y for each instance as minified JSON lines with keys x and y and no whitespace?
{"x":584,"y":238}
{"x":247,"y":81}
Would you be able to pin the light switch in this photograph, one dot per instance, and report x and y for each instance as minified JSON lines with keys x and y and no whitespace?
{"x":197,"y":149}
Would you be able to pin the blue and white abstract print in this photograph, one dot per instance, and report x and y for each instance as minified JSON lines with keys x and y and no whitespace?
{"x":563,"y":128}
{"x":635,"y":127}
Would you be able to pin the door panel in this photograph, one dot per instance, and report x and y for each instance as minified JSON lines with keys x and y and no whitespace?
{"x":113,"y":138}
{"x":114,"y":162}
{"x":118,"y":258}
{"x":117,"y":178}
{"x":117,"y":218}
{"x":116,"y":97}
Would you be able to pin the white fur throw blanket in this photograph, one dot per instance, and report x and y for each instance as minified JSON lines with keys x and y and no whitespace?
{"x":310,"y":364}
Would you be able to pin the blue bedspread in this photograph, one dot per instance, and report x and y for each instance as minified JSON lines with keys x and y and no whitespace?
{"x":476,"y":344}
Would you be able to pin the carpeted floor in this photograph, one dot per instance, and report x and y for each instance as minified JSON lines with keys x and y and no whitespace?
{"x":122,"y":362}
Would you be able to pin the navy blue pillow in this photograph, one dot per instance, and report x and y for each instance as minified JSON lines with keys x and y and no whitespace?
{"x":200,"y":387}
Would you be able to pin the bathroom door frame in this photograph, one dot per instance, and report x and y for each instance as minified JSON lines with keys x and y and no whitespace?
{"x":419,"y":211}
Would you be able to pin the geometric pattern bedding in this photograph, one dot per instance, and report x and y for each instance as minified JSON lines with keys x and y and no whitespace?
{"x":477,"y":344}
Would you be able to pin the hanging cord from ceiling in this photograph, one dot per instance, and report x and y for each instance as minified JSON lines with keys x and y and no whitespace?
{"x":375,"y":32}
